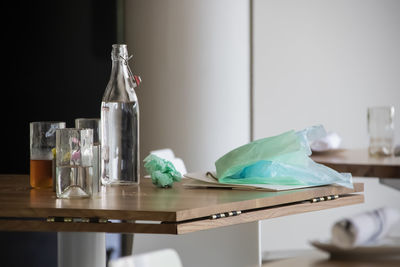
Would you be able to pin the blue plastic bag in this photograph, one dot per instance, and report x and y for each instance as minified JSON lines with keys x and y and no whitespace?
{"x":279,"y":160}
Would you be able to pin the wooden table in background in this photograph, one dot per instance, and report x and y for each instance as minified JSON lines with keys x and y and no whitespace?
{"x":359,"y":163}
{"x":147,"y":209}
{"x":316,"y":258}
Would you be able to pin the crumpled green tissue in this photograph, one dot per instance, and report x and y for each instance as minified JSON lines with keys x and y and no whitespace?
{"x":162,"y":171}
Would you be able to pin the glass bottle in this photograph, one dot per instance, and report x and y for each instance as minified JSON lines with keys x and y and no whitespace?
{"x":120,"y":123}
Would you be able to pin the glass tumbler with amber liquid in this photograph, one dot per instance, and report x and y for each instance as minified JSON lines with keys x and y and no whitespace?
{"x":42,"y":141}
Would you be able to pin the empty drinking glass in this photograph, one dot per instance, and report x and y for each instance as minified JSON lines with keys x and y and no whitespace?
{"x":93,"y":123}
{"x":74,"y":163}
{"x":381,"y":130}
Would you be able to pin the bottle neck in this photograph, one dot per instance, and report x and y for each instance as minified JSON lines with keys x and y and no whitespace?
{"x":120,"y":87}
{"x":119,"y":67}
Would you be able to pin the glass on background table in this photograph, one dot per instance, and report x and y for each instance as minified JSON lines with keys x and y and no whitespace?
{"x":381,"y":130}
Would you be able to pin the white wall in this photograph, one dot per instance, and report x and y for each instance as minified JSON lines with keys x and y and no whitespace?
{"x":324,"y":62}
{"x":193,"y":57}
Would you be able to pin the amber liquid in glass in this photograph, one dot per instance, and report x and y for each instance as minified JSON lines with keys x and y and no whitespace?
{"x":41,"y":172}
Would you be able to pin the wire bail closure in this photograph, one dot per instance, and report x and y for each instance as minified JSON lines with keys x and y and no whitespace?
{"x":136,"y":78}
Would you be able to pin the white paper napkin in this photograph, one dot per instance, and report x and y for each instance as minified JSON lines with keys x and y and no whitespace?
{"x":169,"y":155}
{"x":330,"y":141}
{"x":365,"y":228}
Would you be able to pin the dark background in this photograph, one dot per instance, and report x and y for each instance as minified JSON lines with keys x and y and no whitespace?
{"x":58,"y":65}
{"x":57,"y":60}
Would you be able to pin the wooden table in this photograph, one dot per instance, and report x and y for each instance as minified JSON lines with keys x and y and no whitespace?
{"x":359,"y":163}
{"x":317,"y":258}
{"x":147,"y":209}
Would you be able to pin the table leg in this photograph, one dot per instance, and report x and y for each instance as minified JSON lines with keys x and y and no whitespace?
{"x":391,"y":182}
{"x":235,"y":245}
{"x":80,"y":249}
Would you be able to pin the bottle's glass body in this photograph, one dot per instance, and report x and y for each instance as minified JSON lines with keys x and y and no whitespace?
{"x":120,"y":162}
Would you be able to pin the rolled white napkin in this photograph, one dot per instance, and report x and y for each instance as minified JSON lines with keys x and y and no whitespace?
{"x":330,"y":141}
{"x":365,"y":228}
{"x":169,"y":155}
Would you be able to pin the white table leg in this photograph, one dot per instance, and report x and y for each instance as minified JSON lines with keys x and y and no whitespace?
{"x":80,"y":249}
{"x":230,"y":246}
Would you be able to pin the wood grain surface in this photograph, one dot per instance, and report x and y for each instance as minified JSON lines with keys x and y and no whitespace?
{"x":179,"y":228}
{"x":268,"y":213}
{"x":318,"y":258}
{"x":180,"y":209}
{"x":359,"y":163}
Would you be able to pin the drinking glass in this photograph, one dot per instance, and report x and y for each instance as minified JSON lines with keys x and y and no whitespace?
{"x":94,"y":124}
{"x":74,"y":166}
{"x":381,"y":130}
{"x":42,"y":141}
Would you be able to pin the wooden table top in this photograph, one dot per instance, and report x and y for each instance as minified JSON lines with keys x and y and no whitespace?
{"x":318,"y":258}
{"x":146,"y":202}
{"x":360,"y":163}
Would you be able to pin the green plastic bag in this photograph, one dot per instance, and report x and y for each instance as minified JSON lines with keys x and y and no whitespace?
{"x":279,"y":160}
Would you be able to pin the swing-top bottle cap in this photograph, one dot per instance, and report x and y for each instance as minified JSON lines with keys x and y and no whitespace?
{"x":118,"y":51}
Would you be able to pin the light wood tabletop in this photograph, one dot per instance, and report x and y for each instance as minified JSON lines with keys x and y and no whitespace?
{"x":318,"y":258}
{"x":359,"y":163}
{"x":147,"y":209}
